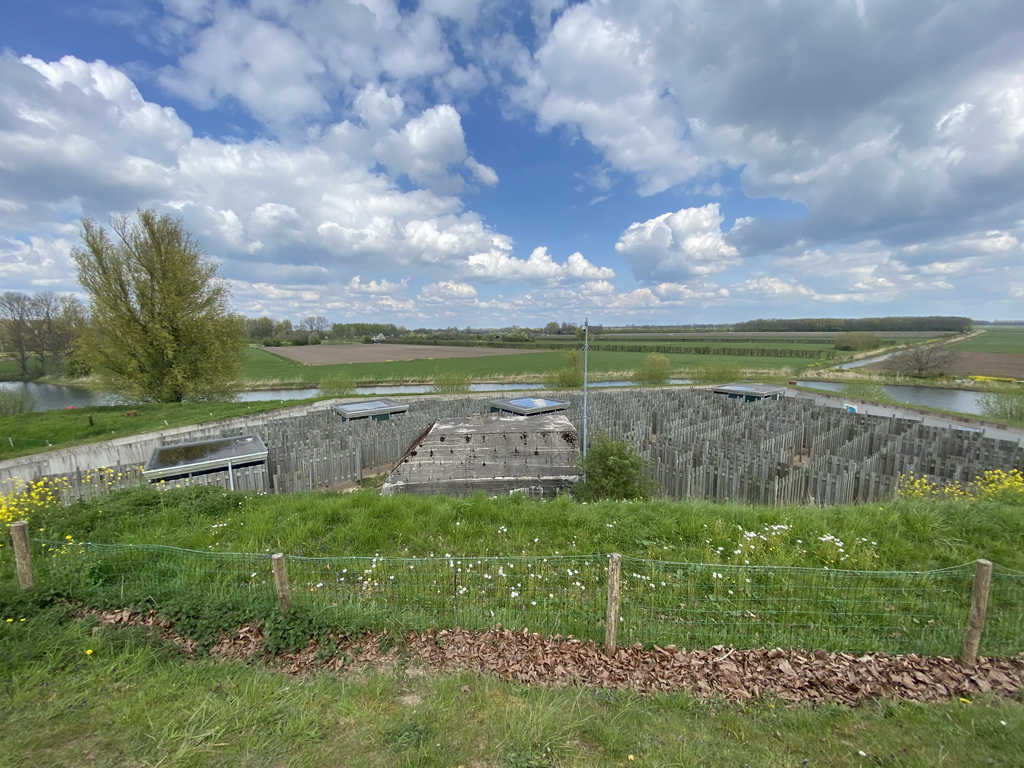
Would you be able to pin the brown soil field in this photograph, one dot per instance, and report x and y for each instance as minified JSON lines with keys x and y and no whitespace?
{"x":333,"y":354}
{"x":989,"y":364}
{"x":979,"y":364}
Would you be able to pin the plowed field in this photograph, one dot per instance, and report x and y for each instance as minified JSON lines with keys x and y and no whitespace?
{"x":333,"y":354}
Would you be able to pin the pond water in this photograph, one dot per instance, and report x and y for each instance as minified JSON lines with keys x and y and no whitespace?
{"x":958,"y":400}
{"x":50,"y":397}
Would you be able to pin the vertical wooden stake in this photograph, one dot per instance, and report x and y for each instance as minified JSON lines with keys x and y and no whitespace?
{"x":979,"y":604}
{"x":611,"y":626}
{"x":284,"y":592}
{"x":22,"y":554}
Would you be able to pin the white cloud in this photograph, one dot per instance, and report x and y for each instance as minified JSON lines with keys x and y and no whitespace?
{"x":376,"y":287}
{"x":425,"y":147}
{"x":484,"y":174}
{"x":882,"y":121}
{"x":539,"y":267}
{"x":447,"y":290}
{"x":676,"y":246}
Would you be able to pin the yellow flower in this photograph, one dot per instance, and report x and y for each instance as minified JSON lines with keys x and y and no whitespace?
{"x":88,"y":651}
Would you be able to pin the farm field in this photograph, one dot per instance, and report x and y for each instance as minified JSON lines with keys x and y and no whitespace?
{"x":500,"y":364}
{"x":998,"y":351}
{"x":336,"y":354}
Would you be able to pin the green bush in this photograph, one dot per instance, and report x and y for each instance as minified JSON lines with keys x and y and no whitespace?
{"x":13,"y":403}
{"x":655,"y":371}
{"x":569,"y":376}
{"x":871,"y":391}
{"x":338,"y":385}
{"x":451,"y":383}
{"x":857,"y":341}
{"x":1003,"y":406}
{"x":612,"y":470}
{"x":716,"y":373}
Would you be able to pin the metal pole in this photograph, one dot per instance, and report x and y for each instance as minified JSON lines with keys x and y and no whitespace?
{"x":586,"y":347}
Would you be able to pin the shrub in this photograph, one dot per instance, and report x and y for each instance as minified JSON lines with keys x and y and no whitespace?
{"x":655,"y":371}
{"x":716,"y":373}
{"x":451,"y":383}
{"x":1003,"y":406}
{"x":993,"y":485}
{"x":338,"y":385}
{"x":860,"y":389}
{"x":14,"y":402}
{"x":612,"y":470}
{"x":570,"y":376}
{"x":857,"y":341}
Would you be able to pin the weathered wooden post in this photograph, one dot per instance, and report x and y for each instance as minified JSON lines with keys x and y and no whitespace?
{"x":611,"y":626}
{"x":22,"y":554}
{"x":979,"y":605}
{"x":284,"y":592}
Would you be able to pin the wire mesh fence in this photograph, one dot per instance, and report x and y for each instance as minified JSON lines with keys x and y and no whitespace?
{"x":698,"y":605}
{"x":1004,"y":624}
{"x":551,"y":595}
{"x":685,"y":604}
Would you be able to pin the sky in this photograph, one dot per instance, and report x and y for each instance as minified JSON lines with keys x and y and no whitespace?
{"x":496,"y":163}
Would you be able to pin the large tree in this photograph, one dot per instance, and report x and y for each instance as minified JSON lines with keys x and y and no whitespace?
{"x":931,"y":359}
{"x":159,"y":325}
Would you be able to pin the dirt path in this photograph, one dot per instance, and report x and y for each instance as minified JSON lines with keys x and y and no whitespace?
{"x":734,"y":674}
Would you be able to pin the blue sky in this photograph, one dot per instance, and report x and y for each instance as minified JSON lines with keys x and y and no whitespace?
{"x":493,"y":163}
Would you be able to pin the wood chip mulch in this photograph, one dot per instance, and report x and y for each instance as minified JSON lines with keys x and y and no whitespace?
{"x":524,"y":657}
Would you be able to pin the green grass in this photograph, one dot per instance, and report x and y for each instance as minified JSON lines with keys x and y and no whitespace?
{"x":999,"y":339}
{"x":909,"y":535}
{"x":135,"y":702}
{"x":261,"y":367}
{"x":29,"y":433}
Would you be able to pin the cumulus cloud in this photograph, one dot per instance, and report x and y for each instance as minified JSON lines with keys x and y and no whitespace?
{"x":447,"y":290}
{"x":877,"y":129}
{"x":539,"y":267}
{"x":677,"y":246}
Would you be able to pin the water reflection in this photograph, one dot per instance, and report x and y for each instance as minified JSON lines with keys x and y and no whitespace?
{"x":956,"y":400}
{"x":49,"y":397}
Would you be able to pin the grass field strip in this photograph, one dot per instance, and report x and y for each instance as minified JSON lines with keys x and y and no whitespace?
{"x":686,"y":604}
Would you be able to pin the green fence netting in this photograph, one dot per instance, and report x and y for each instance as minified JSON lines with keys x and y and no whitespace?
{"x":696,"y":605}
{"x":686,"y":604}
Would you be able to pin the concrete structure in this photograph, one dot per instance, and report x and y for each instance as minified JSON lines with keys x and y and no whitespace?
{"x":188,"y":460}
{"x":493,"y":454}
{"x":750,"y":392}
{"x":527,"y":406}
{"x":381,"y":409}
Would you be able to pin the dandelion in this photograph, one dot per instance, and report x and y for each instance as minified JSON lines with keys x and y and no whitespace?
{"x":88,"y":651}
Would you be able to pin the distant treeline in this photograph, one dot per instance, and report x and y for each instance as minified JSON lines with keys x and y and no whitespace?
{"x":867,"y":324}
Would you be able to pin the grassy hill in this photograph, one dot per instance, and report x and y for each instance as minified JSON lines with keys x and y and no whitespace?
{"x":82,"y":692}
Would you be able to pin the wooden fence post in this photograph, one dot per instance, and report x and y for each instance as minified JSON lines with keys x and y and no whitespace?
{"x":611,"y":625}
{"x":979,"y":604}
{"x":22,"y":554}
{"x":284,"y":592}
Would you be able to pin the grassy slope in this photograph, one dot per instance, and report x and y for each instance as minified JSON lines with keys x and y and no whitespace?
{"x":134,"y":701}
{"x":33,"y":432}
{"x":909,"y":536}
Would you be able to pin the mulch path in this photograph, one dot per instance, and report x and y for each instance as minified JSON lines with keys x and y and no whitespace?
{"x":735,"y":675}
